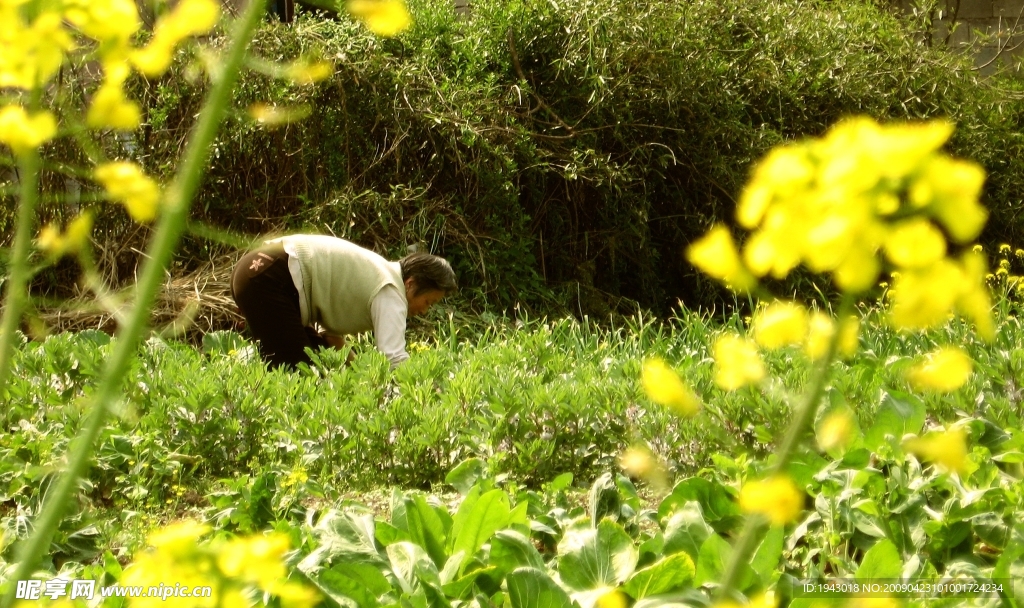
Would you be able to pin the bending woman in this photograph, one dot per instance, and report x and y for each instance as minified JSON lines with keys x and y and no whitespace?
{"x":291,"y":283}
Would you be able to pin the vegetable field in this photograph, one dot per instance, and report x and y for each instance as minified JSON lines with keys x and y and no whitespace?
{"x":526,"y":462}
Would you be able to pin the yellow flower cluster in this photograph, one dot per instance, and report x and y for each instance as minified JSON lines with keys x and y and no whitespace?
{"x":237,"y":570}
{"x":946,"y":449}
{"x":23,"y":131}
{"x":382,"y":17}
{"x":127,"y":183}
{"x":1007,"y":279}
{"x":836,"y":430}
{"x":34,"y":43}
{"x":844,"y":204}
{"x":777,"y":497}
{"x":737,"y":362}
{"x":56,"y":244}
{"x":664,"y":386}
{"x":944,"y":371}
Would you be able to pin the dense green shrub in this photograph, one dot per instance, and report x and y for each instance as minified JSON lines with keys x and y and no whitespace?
{"x":565,"y":149}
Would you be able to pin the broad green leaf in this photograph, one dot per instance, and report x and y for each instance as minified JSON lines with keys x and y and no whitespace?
{"x":686,"y":530}
{"x":520,"y":515}
{"x":881,"y":561}
{"x":899,"y":414}
{"x":1009,"y":569}
{"x":362,"y":583}
{"x":388,"y":534}
{"x":604,"y":499}
{"x":712,"y":560}
{"x":668,"y":574}
{"x":452,"y":567}
{"x":766,"y":559}
{"x":1014,"y":457}
{"x":857,"y":458}
{"x":410,"y":563}
{"x":477,"y":519}
{"x":344,"y":536}
{"x":590,"y":558}
{"x":511,"y":550}
{"x":560,"y":482}
{"x":716,"y":500}
{"x":222,"y":342}
{"x":427,"y":526}
{"x":462,"y":588}
{"x":533,"y":588}
{"x":465,"y":475}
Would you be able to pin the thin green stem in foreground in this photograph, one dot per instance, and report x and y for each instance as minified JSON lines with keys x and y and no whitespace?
{"x":168,"y":231}
{"x":17,"y":282}
{"x":802,"y":418}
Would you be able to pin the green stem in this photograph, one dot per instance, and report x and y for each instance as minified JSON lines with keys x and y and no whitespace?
{"x":17,"y":282}
{"x":178,"y":200}
{"x":754,"y":526}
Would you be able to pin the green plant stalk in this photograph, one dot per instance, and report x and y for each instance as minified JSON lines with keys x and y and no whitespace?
{"x":169,"y":230}
{"x":754,"y":525}
{"x":17,"y":283}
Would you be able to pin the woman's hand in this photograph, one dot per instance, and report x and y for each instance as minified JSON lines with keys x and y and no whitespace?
{"x":338,"y":343}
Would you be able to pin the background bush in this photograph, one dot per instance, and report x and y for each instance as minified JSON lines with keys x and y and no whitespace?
{"x":560,"y":154}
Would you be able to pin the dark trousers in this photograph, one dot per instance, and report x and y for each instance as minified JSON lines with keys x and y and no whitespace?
{"x":266,"y":296}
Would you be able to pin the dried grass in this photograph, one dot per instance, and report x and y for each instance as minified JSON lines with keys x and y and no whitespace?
{"x":187,"y":306}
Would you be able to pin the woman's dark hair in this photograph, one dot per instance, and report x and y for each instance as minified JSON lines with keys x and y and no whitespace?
{"x":428,"y":272}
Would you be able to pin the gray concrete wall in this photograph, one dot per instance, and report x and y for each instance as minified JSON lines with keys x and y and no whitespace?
{"x":991,"y":29}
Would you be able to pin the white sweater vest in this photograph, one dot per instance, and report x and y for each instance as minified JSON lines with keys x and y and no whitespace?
{"x":339,"y":281}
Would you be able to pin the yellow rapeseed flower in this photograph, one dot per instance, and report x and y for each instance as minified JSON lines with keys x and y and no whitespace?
{"x":663,"y":385}
{"x":775,"y":247}
{"x":974,"y":300}
{"x":273,"y":116}
{"x":188,"y":18}
{"x":110,"y":108}
{"x":784,"y":172}
{"x":820,"y":330}
{"x":126,"y":182}
{"x":304,"y":72}
{"x":780,"y":324}
{"x":294,"y":595}
{"x":113,"y":22}
{"x":178,"y":538}
{"x":612,"y":599}
{"x":777,"y":497}
{"x":715,"y":254}
{"x":256,"y":559}
{"x":737,"y":362}
{"x":944,"y":370}
{"x":915,"y":243}
{"x":836,"y":430}
{"x":640,"y":461}
{"x":925,"y":297}
{"x":949,"y":189}
{"x":56,"y":244}
{"x":382,"y":17}
{"x":24,"y":132}
{"x":859,"y":271}
{"x":946,"y":449}
{"x":30,"y":53}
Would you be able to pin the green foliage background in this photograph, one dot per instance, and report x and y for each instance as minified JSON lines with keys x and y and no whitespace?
{"x":559,"y":153}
